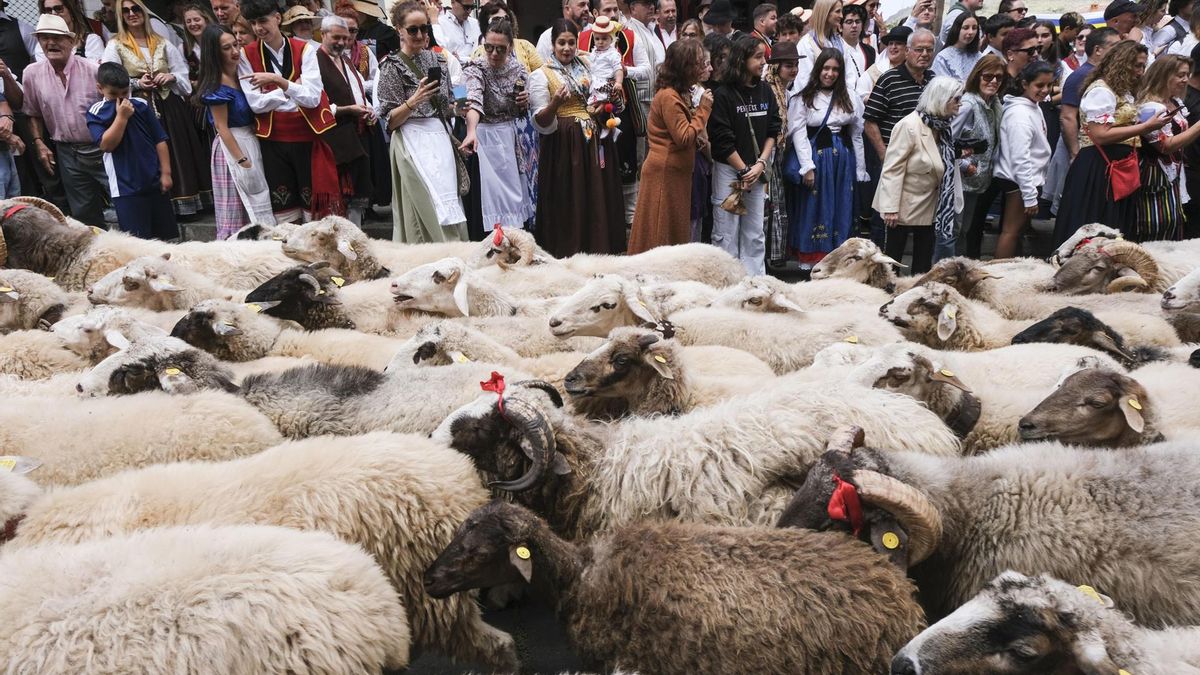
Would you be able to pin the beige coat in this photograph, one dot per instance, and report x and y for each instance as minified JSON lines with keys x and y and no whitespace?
{"x":912,"y":172}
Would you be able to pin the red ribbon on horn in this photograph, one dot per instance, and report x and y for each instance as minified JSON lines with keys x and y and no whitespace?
{"x":844,"y":504}
{"x":495,"y":384}
{"x":498,"y":237}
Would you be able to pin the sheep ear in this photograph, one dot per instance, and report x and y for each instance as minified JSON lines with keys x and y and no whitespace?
{"x":7,"y":294}
{"x":460,"y":296}
{"x":948,"y":377}
{"x":659,"y":363}
{"x":785,"y":303}
{"x":166,"y":256}
{"x":629,"y":291}
{"x":1092,"y":656}
{"x":947,"y":322}
{"x":18,"y":465}
{"x":175,"y":381}
{"x":881,"y":257}
{"x":889,"y":539}
{"x":1132,"y":407}
{"x":116,"y":339}
{"x":347,"y":251}
{"x":519,"y":556}
{"x":164,"y":285}
{"x":559,"y":465}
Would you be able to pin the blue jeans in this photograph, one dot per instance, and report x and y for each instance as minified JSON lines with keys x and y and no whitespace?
{"x":10,"y":183}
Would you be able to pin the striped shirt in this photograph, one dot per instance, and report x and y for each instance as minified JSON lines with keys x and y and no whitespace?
{"x":894,"y":96}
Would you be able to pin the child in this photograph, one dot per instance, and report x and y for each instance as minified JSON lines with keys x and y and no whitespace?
{"x":606,"y":73}
{"x":10,"y":144}
{"x":135,"y":157}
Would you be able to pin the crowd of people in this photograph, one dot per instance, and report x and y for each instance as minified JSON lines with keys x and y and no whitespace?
{"x":624,"y":126}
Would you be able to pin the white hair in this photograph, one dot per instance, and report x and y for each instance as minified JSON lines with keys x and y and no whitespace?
{"x":935,"y":100}
{"x":331,"y":22}
{"x":920,"y":33}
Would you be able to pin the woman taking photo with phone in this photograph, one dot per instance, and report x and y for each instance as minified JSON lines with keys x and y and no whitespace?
{"x":413,"y":98}
{"x":1024,"y":155}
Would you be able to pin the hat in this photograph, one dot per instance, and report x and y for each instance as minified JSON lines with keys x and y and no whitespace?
{"x":52,"y":24}
{"x":603,"y":26}
{"x":1118,"y":7}
{"x":804,"y":14}
{"x":368,"y":7}
{"x":295,"y":14}
{"x":784,"y":51}
{"x":719,"y":13}
{"x":897,"y":34}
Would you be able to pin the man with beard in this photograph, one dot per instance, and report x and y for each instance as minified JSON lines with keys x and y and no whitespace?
{"x":579,"y":12}
{"x":355,"y":117}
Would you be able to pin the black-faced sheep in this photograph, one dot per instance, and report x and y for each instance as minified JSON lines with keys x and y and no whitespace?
{"x":307,"y":294}
{"x":157,"y":363}
{"x":1075,"y":326}
{"x":678,"y":598}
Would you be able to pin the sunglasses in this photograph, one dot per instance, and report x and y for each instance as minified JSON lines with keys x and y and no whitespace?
{"x":131,"y":10}
{"x":54,"y":9}
{"x":1020,"y":10}
{"x":991,"y":77}
{"x":495,"y":49}
{"x":416,"y":30}
{"x":1032,"y":51}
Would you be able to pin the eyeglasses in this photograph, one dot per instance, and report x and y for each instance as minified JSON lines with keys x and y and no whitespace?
{"x":414,"y":31}
{"x":54,"y":9}
{"x":131,"y":10}
{"x":921,"y":50}
{"x":956,"y":99}
{"x":991,"y":77}
{"x":496,"y":49}
{"x":1032,"y":51}
{"x":1020,"y":10}
{"x":352,"y":31}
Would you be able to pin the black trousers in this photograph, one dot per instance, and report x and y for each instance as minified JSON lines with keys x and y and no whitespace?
{"x":1191,"y":210}
{"x":922,"y":236}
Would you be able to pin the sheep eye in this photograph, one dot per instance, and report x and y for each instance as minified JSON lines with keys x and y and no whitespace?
{"x":596,"y":308}
{"x":621,"y":361}
{"x":1097,"y":268}
{"x":438,"y":278}
{"x":755,"y":301}
{"x":608,"y":305}
{"x":131,"y":285}
{"x":1096,"y":403}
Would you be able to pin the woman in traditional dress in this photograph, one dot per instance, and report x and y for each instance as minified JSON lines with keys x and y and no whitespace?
{"x":1159,"y":212}
{"x":427,"y":178}
{"x":580,"y":206}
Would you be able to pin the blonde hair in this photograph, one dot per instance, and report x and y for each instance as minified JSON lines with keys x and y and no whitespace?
{"x":152,"y":38}
{"x":818,"y":25}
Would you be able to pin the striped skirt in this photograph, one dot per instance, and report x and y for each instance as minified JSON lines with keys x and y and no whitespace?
{"x":1158,"y":210}
{"x":227,"y":205}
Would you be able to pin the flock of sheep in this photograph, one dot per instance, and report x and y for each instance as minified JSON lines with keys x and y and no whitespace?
{"x":305,"y":451}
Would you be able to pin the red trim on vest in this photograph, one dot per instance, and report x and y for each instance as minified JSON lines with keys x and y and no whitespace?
{"x":320,"y":119}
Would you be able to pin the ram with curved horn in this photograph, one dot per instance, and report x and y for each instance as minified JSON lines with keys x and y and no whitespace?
{"x":1036,"y":508}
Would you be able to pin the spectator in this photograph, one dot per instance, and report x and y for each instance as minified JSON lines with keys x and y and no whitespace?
{"x":1070,"y":27}
{"x":782,"y":69}
{"x":523,"y":50}
{"x":241,"y":30}
{"x":894,"y":97}
{"x":717,"y":46}
{"x":1015,"y":9}
{"x":496,"y":97}
{"x":1020,"y":47}
{"x":719,"y":18}
{"x":1098,"y":42}
{"x":579,"y":198}
{"x":825,"y":32}
{"x":743,"y":139}
{"x":1191,"y":152}
{"x":135,"y":156}
{"x":226,"y":11}
{"x":765,"y":18}
{"x":578,"y":12}
{"x":921,"y":15}
{"x":826,"y":123}
{"x":1078,"y":57}
{"x":1179,"y":27}
{"x":196,"y":18}
{"x":160,"y":76}
{"x":789,"y":28}
{"x":10,"y":182}
{"x":666,"y":26}
{"x":676,"y":122}
{"x":1151,"y":14}
{"x":58,"y":112}
{"x":1159,"y":212}
{"x":427,"y":179}
{"x":364,"y":61}
{"x":349,"y":140}
{"x":297,"y":23}
{"x":375,"y":34}
{"x":456,"y":30}
{"x":919,"y":190}
{"x":1024,"y":154}
{"x":88,"y":44}
{"x":956,"y":10}
{"x":859,"y":57}
{"x":961,"y":52}
{"x":996,"y":29}
{"x":977,"y":123}
{"x":1184,"y":47}
{"x":239,"y":189}
{"x":1110,"y":133}
{"x":895,"y":51}
{"x":106,"y":16}
{"x":638,"y":21}
{"x":20,"y":46}
{"x":691,"y":29}
{"x":1122,"y":16}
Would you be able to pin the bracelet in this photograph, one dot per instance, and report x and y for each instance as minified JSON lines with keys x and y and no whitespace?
{"x":406,"y":105}
{"x":743,"y":172}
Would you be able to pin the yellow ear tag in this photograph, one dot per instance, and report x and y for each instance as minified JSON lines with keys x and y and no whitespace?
{"x":641,"y":303}
{"x":254,"y":307}
{"x":946,"y":373}
{"x":1122,"y":671}
{"x":1134,"y":403}
{"x":49,"y":278}
{"x":321,"y":292}
{"x":523,"y":553}
{"x":853,"y":339}
{"x":951,"y":312}
{"x":459,"y":357}
{"x":890,"y":541}
{"x":1090,"y":592}
{"x":338,"y":281}
{"x":96,"y":230}
{"x":660,"y":358}
{"x":5,"y":289}
{"x":172,"y":371}
{"x":8,"y":463}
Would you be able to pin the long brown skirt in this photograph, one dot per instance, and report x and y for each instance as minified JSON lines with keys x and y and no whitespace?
{"x":580,"y":205}
{"x":191,"y":189}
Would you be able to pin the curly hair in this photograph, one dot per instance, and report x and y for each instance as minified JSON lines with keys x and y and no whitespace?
{"x":1156,"y":82}
{"x":682,"y":66}
{"x":1116,"y":68}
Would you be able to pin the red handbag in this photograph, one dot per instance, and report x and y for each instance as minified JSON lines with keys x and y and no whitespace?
{"x":1124,"y":175}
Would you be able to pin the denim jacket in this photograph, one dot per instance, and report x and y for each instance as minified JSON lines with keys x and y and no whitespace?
{"x":977,"y":120}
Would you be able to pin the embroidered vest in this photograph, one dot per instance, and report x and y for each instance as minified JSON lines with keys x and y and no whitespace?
{"x":1126,"y":115}
{"x":573,"y":107}
{"x":319,"y":119}
{"x":135,"y":62}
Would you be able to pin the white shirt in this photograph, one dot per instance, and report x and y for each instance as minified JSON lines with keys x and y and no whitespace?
{"x":1024,"y":152}
{"x":809,"y":49}
{"x":166,"y":32}
{"x":457,"y":38}
{"x":856,"y":61}
{"x":175,"y":63}
{"x":801,"y":117}
{"x":604,"y":65}
{"x":27,"y":36}
{"x":668,"y":37}
{"x":653,"y":51}
{"x":306,"y":92}
{"x":358,"y":88}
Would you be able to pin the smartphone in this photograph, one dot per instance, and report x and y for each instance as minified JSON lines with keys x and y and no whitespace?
{"x":434,"y":74}
{"x":1172,"y":113}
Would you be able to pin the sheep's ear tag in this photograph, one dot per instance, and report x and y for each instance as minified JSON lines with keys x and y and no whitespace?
{"x":321,"y":292}
{"x":18,"y":465}
{"x":889,"y":539}
{"x":1134,"y":403}
{"x":459,"y":357}
{"x":1098,"y":597}
{"x":260,"y":307}
{"x":659,"y":363}
{"x":338,"y":281}
{"x":852,"y":339}
{"x":96,"y":230}
{"x":172,"y":371}
{"x":1132,"y":408}
{"x":520,"y":556}
{"x":948,"y":376}
{"x":276,"y":237}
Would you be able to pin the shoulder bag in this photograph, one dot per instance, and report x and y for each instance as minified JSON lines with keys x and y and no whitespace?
{"x":1124,"y":175}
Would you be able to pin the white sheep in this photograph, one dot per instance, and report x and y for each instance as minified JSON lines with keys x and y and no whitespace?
{"x":860,"y":260}
{"x":609,"y":301}
{"x":450,"y":287}
{"x":768,"y":294}
{"x":37,"y":355}
{"x":157,"y":284}
{"x":400,"y":497}
{"x":105,"y":329}
{"x":200,"y":599}
{"x":348,"y":249}
{"x":30,"y":301}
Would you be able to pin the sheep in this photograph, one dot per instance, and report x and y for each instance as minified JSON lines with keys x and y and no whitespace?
{"x":1116,"y":266}
{"x":1083,"y":238}
{"x":1071,"y":325}
{"x":399,"y":497}
{"x":729,"y":464}
{"x":939,"y":316}
{"x":158,"y":362}
{"x":37,"y":355}
{"x":261,"y":232}
{"x":1181,"y":303}
{"x":637,"y":372}
{"x":859,"y":260}
{"x":342,"y":244}
{"x":30,"y":301}
{"x":1019,"y":623}
{"x":200,"y":599}
{"x":309,"y":295}
{"x":1101,"y":407}
{"x":450,"y":288}
{"x":84,"y":439}
{"x":103,"y":330}
{"x":609,"y":301}
{"x":511,"y":248}
{"x":234,"y":331}
{"x":704,"y":599}
{"x":155,"y":283}
{"x":77,"y":258}
{"x":768,"y":294}
{"x":1124,"y":522}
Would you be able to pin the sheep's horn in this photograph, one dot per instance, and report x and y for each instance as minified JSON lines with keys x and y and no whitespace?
{"x":545,"y":386}
{"x":845,"y":439}
{"x":1127,"y":284}
{"x":537,"y":440}
{"x":911,"y":508}
{"x":1135,"y":257}
{"x":311,"y":281}
{"x":318,"y":265}
{"x":42,"y":204}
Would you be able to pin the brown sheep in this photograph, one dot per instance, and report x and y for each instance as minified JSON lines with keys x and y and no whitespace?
{"x":684,"y":598}
{"x":1095,"y":407}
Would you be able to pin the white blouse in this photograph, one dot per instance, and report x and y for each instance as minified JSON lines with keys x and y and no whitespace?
{"x":809,"y":50}
{"x":800,"y":117}
{"x":1099,"y":105}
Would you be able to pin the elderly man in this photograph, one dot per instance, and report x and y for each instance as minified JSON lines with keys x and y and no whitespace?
{"x":667,"y":23}
{"x":1122,"y":16}
{"x":895,"y":96}
{"x":347,"y":92}
{"x":457,"y":31}
{"x":226,"y":11}
{"x":578,"y":12}
{"x":58,"y":93}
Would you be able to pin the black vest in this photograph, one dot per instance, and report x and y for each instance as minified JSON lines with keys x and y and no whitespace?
{"x":12,"y":47}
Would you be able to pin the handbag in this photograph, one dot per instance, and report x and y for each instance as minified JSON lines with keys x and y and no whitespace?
{"x":1124,"y":175}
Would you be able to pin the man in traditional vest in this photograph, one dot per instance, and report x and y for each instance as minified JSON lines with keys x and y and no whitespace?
{"x":347,"y":94}
{"x":282,"y":81}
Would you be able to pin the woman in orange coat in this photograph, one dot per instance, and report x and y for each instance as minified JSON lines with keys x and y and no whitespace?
{"x":677,"y":120}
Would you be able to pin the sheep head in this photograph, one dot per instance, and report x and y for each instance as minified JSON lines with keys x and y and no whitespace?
{"x":1184,"y":295}
{"x":340,"y":243}
{"x":511,"y":247}
{"x":626,"y":367}
{"x":497,"y":544}
{"x":1087,"y":236}
{"x":101,"y":331}
{"x":307,"y":294}
{"x":17,"y":493}
{"x":908,"y":369}
{"x":758,"y":294}
{"x":149,"y":281}
{"x":961,"y":274}
{"x":1075,"y":326}
{"x":1115,"y":267}
{"x":29,"y":301}
{"x":605,"y":302}
{"x":226,"y":329}
{"x":1021,"y":624}
{"x":440,"y":287}
{"x":930,"y":314}
{"x":860,"y":260}
{"x":260,"y":232}
{"x":1093,"y":407}
{"x":851,"y":488}
{"x":39,"y":241}
{"x":159,"y":363}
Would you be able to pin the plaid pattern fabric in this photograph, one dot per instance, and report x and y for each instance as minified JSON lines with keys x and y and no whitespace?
{"x":230,"y":214}
{"x":777,"y":214}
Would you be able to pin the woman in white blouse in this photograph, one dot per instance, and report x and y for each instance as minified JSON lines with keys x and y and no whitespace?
{"x":826,"y":124}
{"x":824,"y":32}
{"x":88,"y":45}
{"x":1159,"y":213}
{"x":962,"y":48}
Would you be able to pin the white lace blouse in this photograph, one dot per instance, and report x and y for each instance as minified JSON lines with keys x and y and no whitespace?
{"x":800,"y":117}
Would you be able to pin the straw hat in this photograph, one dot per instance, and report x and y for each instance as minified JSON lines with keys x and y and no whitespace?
{"x":51,"y":24}
{"x":295,"y":14}
{"x":603,"y":26}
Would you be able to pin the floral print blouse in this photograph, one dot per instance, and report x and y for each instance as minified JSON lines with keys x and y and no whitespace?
{"x":398,"y":82}
{"x":491,"y":92}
